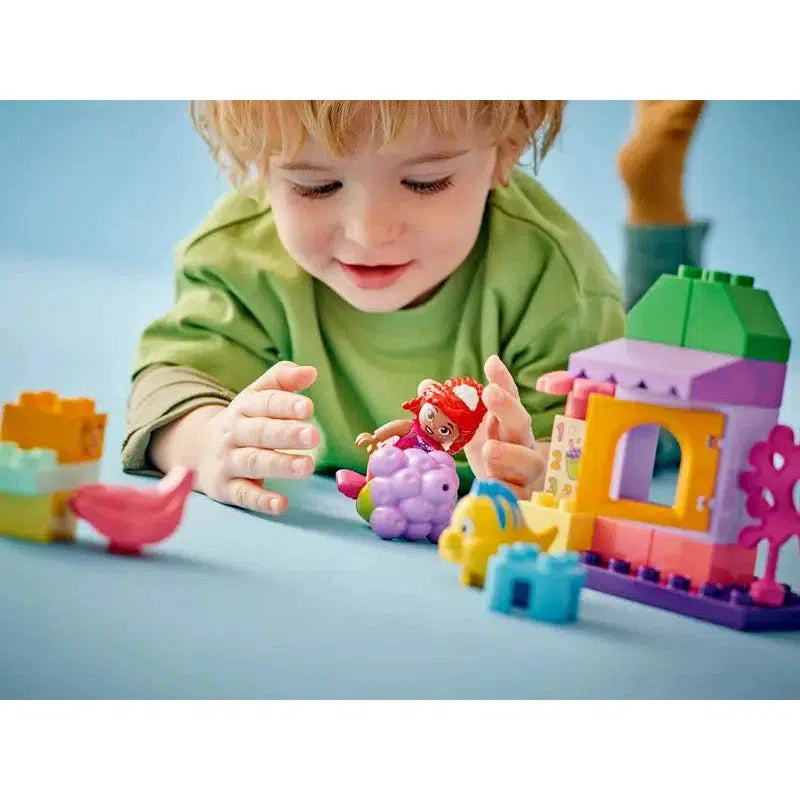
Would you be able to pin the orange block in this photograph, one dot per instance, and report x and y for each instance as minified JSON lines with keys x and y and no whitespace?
{"x":70,"y":426}
{"x":614,"y":538}
{"x":701,"y":562}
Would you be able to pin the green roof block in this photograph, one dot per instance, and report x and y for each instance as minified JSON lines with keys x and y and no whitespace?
{"x":713,"y":311}
{"x":728,"y":315}
{"x":660,"y":316}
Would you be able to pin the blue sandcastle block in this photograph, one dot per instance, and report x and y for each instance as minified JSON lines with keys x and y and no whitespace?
{"x":508,"y":570}
{"x":545,"y":587}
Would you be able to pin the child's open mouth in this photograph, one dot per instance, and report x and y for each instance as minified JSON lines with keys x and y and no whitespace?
{"x":377,"y":277}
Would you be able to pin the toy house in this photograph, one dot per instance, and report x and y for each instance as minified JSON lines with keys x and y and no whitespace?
{"x":705,"y":358}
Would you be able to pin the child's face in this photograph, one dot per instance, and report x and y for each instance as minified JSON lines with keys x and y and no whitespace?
{"x":383,"y":229}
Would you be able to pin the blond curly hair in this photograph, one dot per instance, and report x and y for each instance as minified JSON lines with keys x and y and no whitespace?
{"x":243,"y":134}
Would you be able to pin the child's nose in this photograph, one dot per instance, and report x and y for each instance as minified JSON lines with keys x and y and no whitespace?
{"x":372,"y":225}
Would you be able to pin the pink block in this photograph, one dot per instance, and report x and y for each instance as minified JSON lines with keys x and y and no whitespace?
{"x":696,"y":375}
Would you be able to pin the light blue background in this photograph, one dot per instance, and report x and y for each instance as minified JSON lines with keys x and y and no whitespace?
{"x":95,"y":195}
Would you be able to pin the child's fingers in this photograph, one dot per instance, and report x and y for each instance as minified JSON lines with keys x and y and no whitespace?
{"x":287,"y":376}
{"x":273,"y":434}
{"x":497,"y":372}
{"x":252,"y":495}
{"x":514,"y":421}
{"x":274,"y":404}
{"x":513,"y":463}
{"x":254,"y":462}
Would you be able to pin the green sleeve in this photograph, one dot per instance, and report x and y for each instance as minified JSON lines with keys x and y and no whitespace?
{"x":209,"y":329}
{"x":652,"y":251}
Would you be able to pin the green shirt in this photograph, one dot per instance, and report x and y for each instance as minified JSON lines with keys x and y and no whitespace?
{"x":534,"y":289}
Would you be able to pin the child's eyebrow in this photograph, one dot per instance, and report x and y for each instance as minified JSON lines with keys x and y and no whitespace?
{"x":442,"y":155}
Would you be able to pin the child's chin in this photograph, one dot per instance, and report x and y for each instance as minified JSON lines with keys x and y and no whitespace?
{"x":380,"y":303}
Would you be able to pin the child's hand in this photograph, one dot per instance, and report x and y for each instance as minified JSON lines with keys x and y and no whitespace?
{"x":504,"y":446}
{"x":239,"y":447}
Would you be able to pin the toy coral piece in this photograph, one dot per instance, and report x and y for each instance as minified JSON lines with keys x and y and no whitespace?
{"x":131,"y":518}
{"x":446,"y":417}
{"x":483,"y":520}
{"x":412,"y":493}
{"x":770,"y":498}
{"x":547,"y":588}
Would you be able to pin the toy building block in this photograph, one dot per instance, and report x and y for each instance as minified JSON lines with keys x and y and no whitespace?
{"x":696,"y":432}
{"x":662,"y":313}
{"x":487,"y":517}
{"x":510,"y":577}
{"x":728,"y":315}
{"x":770,"y":488}
{"x":711,"y":311}
{"x":728,"y":605}
{"x":668,"y":371}
{"x":558,"y":584}
{"x":547,"y":588}
{"x":70,"y":426}
{"x":563,"y":462}
{"x":38,"y":518}
{"x":622,"y":540}
{"x":578,"y":390}
{"x":21,"y":470}
{"x":574,"y":530}
{"x":701,"y":562}
{"x":36,"y":471}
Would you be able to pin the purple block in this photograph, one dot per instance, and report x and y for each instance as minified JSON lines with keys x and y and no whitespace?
{"x":729,"y":606}
{"x":664,"y":369}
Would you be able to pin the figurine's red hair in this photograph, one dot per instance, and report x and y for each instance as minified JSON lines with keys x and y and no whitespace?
{"x":452,"y":399}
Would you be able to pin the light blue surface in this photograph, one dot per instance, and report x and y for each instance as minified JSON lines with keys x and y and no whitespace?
{"x":313,"y":605}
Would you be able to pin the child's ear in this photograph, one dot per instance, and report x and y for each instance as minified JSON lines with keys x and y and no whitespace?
{"x":509,"y":152}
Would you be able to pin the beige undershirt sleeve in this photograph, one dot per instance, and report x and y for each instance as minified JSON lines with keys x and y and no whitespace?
{"x":161,"y":394}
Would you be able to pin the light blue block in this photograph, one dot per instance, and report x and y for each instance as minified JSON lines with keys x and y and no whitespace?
{"x":559,"y":580}
{"x":21,"y":471}
{"x":510,"y":564}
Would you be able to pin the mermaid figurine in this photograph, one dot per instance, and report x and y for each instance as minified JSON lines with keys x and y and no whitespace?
{"x":446,"y":417}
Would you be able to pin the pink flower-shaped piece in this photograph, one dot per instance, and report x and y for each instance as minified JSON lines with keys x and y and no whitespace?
{"x":769,"y":487}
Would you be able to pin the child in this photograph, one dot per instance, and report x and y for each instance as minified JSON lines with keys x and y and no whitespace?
{"x":384,"y":242}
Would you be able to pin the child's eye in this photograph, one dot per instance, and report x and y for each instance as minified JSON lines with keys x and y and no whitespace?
{"x":431,"y":187}
{"x":314,"y":192}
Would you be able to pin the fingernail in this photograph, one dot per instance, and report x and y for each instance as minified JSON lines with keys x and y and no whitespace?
{"x":274,"y":504}
{"x":300,"y":407}
{"x":298,"y":465}
{"x":305,"y":437}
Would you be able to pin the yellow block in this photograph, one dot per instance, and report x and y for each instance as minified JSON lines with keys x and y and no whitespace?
{"x":575,"y":529}
{"x":39,"y":518}
{"x":608,"y":419}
